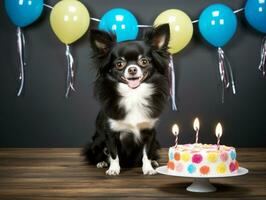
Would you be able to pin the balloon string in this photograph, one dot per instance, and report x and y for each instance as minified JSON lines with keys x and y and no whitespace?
{"x":231,"y":75}
{"x":172,"y":79}
{"x":239,"y":10}
{"x":226,"y":72}
{"x":70,"y":71}
{"x":95,"y":19}
{"x":222,"y":71}
{"x":223,"y":94}
{"x":144,"y":25}
{"x":21,"y":49}
{"x":223,"y":74}
{"x":48,"y":6}
{"x":263,"y":56}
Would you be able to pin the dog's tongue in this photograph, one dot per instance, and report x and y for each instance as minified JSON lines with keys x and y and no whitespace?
{"x":133,"y":83}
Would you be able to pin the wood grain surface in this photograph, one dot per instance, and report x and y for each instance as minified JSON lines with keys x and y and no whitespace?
{"x":54,"y":173}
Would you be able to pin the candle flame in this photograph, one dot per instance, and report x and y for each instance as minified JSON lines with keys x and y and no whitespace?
{"x":196,"y":124}
{"x":219,"y":130}
{"x":175,"y":129}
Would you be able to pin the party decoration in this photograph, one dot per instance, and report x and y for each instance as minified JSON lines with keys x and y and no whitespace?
{"x":196,"y":127}
{"x":175,"y":131}
{"x":22,"y":13}
{"x":121,"y":22}
{"x":21,"y":53}
{"x":263,"y":56}
{"x":218,"y":133}
{"x":255,"y":12}
{"x":172,"y":80}
{"x":217,"y":25}
{"x":181,"y":28}
{"x":69,"y":20}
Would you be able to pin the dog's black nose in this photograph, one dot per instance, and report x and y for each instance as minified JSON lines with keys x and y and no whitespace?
{"x":132,"y":70}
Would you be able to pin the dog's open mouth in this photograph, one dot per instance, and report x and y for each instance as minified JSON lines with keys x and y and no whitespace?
{"x":134,"y":82}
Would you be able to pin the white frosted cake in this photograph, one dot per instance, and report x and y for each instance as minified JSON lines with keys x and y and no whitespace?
{"x":202,"y":160}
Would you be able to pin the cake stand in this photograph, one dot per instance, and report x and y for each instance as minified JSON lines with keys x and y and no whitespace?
{"x":201,"y":183}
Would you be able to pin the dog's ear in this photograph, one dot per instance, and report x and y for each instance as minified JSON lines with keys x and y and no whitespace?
{"x":159,"y":37}
{"x":101,"y":41}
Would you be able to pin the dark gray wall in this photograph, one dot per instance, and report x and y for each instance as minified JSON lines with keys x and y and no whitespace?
{"x":42,"y":117}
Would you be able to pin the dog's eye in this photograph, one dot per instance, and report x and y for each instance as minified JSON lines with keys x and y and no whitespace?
{"x":143,"y":62}
{"x":120,"y":64}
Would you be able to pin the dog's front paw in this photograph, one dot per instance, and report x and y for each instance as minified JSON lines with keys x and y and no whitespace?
{"x":154,"y":163}
{"x":148,"y":170}
{"x":102,"y":164}
{"x":113,"y":170}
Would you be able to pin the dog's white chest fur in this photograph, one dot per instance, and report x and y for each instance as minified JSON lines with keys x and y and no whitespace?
{"x":136,"y":104}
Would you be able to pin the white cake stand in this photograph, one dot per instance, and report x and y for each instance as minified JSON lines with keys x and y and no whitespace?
{"x":201,"y":183}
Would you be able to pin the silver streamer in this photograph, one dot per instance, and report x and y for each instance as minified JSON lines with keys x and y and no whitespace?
{"x":226,"y":73}
{"x":263,"y":56}
{"x":172,"y":79}
{"x":70,"y":71}
{"x":21,"y":53}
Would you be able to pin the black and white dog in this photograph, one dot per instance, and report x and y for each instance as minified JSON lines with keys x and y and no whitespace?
{"x":132,"y":87}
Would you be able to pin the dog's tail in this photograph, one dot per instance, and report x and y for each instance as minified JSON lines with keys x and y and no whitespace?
{"x":94,"y":153}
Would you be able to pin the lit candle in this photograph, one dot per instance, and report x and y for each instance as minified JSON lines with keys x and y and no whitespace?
{"x":175,"y":131}
{"x":218,"y":133}
{"x":196,"y":126}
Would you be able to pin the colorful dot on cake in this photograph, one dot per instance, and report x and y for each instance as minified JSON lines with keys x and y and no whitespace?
{"x":197,"y":158}
{"x":221,"y":168}
{"x":185,"y":157}
{"x":171,"y":165}
{"x":212,"y":157}
{"x":204,"y":170}
{"x":171,"y":155}
{"x":232,"y":167}
{"x":224,"y":156}
{"x":191,"y":168}
{"x":233,"y":155}
{"x":179,"y":167}
{"x":236,"y":165}
{"x":177,"y":156}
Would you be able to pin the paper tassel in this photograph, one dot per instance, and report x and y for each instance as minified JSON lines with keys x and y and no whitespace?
{"x":70,"y":71}
{"x":172,"y":79}
{"x":21,"y":53}
{"x":226,"y":73}
{"x":263,"y":56}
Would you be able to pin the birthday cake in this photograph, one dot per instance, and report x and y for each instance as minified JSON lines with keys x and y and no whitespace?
{"x":202,"y":160}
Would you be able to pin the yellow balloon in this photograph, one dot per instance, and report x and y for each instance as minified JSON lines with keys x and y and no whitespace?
{"x":181,"y":28}
{"x":69,"y":20}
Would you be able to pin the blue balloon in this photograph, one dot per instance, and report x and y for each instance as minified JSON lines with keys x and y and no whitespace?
{"x":121,"y":22}
{"x":217,"y":24}
{"x":255,"y":12}
{"x":23,"y":12}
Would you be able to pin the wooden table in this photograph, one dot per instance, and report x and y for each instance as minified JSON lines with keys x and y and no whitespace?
{"x":61,"y":174}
